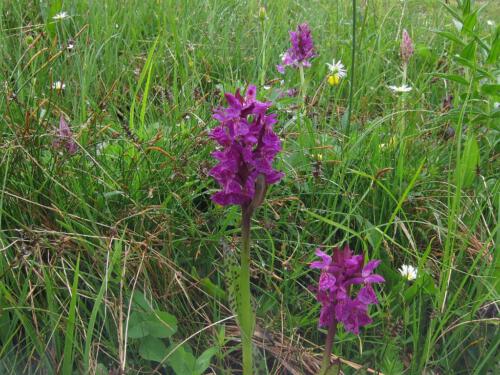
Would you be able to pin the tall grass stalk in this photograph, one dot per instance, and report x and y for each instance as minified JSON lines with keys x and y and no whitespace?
{"x":353,"y":65}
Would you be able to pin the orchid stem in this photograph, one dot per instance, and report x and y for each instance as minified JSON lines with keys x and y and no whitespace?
{"x":402,"y":132}
{"x":325,"y":366}
{"x":245,"y":313}
{"x":302,"y":85}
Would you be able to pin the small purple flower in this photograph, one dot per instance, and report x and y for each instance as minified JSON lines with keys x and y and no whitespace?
{"x":406,"y":48}
{"x":290,"y":93}
{"x":301,"y":51}
{"x":65,"y":137}
{"x":248,"y":147}
{"x":338,"y":274}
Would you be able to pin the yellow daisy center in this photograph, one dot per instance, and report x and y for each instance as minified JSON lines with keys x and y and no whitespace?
{"x":333,"y":79}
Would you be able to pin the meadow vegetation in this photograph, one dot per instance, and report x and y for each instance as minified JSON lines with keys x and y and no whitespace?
{"x":113,"y":257}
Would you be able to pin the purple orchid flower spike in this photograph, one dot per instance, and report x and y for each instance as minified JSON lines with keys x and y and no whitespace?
{"x":248,"y":147}
{"x":407,"y":48}
{"x":65,"y":137}
{"x":301,"y":51}
{"x":338,"y":275}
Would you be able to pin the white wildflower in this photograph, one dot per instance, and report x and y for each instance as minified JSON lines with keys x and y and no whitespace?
{"x":60,"y":16}
{"x":58,"y":86}
{"x":337,"y":68}
{"x":408,"y":272}
{"x":398,"y":89}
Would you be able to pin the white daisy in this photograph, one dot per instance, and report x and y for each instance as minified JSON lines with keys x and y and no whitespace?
{"x":60,"y":16}
{"x":404,"y":88}
{"x":408,"y":272}
{"x":58,"y":85}
{"x":337,"y":68}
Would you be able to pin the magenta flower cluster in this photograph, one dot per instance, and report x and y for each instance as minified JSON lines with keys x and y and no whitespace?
{"x":248,"y":147}
{"x":406,"y":48}
{"x":65,"y":138}
{"x":301,"y":51}
{"x":338,"y":276}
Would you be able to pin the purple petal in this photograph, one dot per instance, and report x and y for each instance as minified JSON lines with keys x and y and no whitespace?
{"x":326,"y":281}
{"x":232,"y":101}
{"x":370,"y":266}
{"x":367,"y":295}
{"x":325,"y":261}
{"x":374,"y":279}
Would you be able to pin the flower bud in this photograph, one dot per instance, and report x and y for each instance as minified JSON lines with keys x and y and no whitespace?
{"x":262,"y":13}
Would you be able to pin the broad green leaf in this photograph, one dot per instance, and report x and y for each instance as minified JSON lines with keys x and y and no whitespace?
{"x":140,"y":300}
{"x":182,"y":361}
{"x":152,"y":349}
{"x":138,"y":325}
{"x":203,"y":361}
{"x":161,"y":324}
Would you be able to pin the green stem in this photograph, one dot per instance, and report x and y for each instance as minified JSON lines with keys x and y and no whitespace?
{"x":246,"y":315}
{"x":402,"y":133}
{"x":263,"y":66}
{"x":325,"y":365}
{"x":302,"y":85}
{"x":353,"y":56}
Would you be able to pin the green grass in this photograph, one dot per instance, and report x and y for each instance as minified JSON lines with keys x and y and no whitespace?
{"x":127,"y":225}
